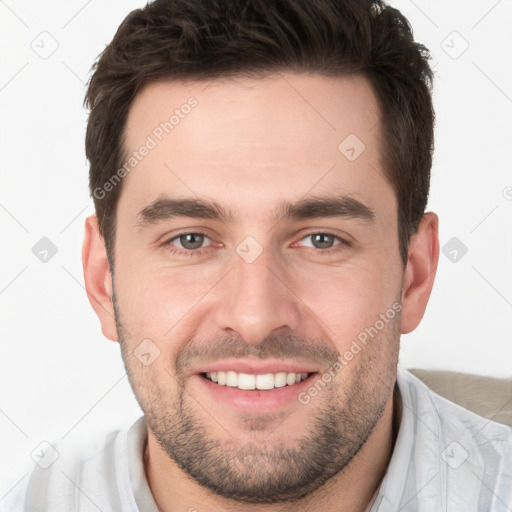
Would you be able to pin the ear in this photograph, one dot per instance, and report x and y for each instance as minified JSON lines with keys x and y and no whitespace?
{"x":420,"y":272}
{"x":97,"y":276}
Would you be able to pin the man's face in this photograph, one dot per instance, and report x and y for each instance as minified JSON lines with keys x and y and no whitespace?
{"x":255,"y":291}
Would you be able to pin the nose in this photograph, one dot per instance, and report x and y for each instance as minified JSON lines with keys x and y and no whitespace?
{"x":257,"y":299}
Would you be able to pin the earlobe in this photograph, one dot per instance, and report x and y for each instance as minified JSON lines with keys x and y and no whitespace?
{"x":420,"y":272}
{"x":97,"y":277}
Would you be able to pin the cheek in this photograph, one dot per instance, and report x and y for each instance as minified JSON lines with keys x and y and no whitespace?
{"x":160,"y":303}
{"x":166,"y":304}
{"x":348,"y":300}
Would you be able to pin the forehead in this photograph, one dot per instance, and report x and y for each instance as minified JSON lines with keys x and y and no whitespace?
{"x":247,"y":141}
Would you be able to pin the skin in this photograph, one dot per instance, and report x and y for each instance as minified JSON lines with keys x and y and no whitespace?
{"x":248,"y":145}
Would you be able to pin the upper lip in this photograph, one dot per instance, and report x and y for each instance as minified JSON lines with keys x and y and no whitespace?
{"x":256,"y":367}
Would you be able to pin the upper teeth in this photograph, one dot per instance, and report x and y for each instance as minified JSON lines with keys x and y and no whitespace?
{"x":251,"y":381}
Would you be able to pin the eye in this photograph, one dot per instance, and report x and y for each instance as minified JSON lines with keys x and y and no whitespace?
{"x":325,"y":243}
{"x":190,"y":242}
{"x":321,"y":240}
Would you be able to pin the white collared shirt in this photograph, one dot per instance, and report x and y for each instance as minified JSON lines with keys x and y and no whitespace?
{"x":445,"y":459}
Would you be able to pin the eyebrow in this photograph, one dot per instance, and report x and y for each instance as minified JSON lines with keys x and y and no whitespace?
{"x":166,"y":208}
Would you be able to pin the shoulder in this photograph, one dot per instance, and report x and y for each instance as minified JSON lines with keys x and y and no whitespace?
{"x":454,"y":457}
{"x":448,"y":418}
{"x":79,"y":476}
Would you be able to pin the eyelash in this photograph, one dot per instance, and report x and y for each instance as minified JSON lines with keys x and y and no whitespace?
{"x":198,"y":252}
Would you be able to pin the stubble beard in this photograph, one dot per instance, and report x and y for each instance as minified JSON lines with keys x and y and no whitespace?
{"x":267,"y":471}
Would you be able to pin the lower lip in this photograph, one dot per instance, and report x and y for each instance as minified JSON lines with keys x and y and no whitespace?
{"x":255,"y":401}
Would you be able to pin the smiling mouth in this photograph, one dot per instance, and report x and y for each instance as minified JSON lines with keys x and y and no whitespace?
{"x":260,"y":382}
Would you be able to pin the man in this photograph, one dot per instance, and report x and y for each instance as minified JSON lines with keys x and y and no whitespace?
{"x":260,"y":172}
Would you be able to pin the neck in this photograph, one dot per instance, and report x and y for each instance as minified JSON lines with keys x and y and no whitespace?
{"x":353,"y":488}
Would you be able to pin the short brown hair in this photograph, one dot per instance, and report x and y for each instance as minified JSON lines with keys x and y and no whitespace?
{"x":208,"y":39}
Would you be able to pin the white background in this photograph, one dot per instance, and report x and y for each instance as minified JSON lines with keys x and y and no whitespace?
{"x":59,"y":377}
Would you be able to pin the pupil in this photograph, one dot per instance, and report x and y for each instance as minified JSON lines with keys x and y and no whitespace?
{"x":188,"y":241}
{"x":322,"y":240}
